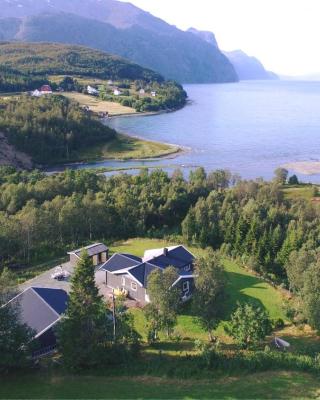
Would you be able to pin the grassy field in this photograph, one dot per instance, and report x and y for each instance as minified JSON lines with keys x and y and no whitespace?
{"x":127,"y":148}
{"x":305,"y":192}
{"x":155,"y":383}
{"x":97,"y":105}
{"x":280,"y":385}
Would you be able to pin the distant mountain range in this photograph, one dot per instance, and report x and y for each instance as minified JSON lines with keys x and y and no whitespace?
{"x":122,"y":29}
{"x":248,"y":68}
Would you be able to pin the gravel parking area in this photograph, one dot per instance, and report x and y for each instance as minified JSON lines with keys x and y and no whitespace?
{"x":44,"y":280}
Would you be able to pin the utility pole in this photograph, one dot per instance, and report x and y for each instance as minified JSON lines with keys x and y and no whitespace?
{"x":114,"y":317}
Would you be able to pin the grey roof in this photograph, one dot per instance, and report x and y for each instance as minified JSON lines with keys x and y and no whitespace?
{"x":177,"y":257}
{"x":92,"y":249}
{"x":41,"y":308}
{"x":142,"y":271}
{"x":120,"y":261}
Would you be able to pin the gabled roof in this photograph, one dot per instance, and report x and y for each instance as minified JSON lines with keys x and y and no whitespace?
{"x":92,"y":249}
{"x":120,"y":262}
{"x":139,"y":269}
{"x":176,"y":256}
{"x":41,"y":308}
{"x":142,"y":271}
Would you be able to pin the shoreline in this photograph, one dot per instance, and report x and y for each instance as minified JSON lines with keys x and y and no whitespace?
{"x":303,"y":167}
{"x":175,"y":152}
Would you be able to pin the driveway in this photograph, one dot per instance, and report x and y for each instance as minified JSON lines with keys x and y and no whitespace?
{"x":44,"y":280}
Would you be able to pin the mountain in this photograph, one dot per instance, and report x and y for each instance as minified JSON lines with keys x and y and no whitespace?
{"x":118,"y":28}
{"x":249,"y":68}
{"x":207,"y":36}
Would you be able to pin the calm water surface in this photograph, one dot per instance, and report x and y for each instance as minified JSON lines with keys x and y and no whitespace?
{"x":250,"y":128}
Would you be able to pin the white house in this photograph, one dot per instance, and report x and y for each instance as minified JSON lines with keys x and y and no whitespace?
{"x":153,"y":94}
{"x":142,"y":91}
{"x":92,"y":91}
{"x":36,"y":93}
{"x":116,"y":92}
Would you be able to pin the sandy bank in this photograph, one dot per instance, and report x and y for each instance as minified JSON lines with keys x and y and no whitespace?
{"x":304,"y":167}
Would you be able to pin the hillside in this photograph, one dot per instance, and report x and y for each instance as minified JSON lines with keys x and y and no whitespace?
{"x":57,"y":59}
{"x":118,"y":28}
{"x":49,"y":129}
{"x":249,"y":68}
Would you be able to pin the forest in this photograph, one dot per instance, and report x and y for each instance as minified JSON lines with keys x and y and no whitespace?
{"x":50,"y":129}
{"x":58,"y":59}
{"x":43,"y":216}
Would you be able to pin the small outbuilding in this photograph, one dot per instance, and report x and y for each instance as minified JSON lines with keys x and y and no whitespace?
{"x":93,"y":91}
{"x":99,"y":253}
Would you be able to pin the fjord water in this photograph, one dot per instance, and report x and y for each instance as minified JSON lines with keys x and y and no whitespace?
{"x":251,"y":128}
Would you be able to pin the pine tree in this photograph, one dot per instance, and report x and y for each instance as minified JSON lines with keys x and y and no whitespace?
{"x":83,"y":331}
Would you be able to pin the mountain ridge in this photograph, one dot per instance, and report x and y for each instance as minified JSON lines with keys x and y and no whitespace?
{"x":248,"y":67}
{"x":118,"y":28}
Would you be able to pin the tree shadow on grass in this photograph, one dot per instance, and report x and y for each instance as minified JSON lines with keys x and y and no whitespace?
{"x":236,"y":283}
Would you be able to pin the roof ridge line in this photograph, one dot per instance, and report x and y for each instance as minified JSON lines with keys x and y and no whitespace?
{"x":33,"y":289}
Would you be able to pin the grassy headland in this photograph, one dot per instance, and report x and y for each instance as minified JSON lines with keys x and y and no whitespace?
{"x":124,"y":147}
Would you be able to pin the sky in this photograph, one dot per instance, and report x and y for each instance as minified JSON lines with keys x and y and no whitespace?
{"x":283,"y":34}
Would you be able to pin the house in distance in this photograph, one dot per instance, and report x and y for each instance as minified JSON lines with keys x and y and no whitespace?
{"x":98,"y":252}
{"x":128,"y":272}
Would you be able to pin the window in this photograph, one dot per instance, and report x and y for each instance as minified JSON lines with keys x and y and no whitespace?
{"x":185,"y":286}
{"x":134,"y":286}
{"x":123,"y":281}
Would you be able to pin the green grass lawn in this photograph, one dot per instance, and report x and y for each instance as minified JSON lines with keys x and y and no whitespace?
{"x":269,"y":385}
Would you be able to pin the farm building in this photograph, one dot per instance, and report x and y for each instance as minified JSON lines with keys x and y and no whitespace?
{"x":46,"y":89}
{"x":98,"y":252}
{"x":92,"y":91}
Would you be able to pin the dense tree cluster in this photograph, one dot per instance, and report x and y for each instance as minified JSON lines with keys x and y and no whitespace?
{"x":15,"y":81}
{"x":50,"y":128}
{"x":59,"y":59}
{"x":254,"y":221}
{"x":41,"y":216}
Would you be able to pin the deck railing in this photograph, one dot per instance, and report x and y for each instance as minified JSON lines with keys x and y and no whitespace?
{"x":45,"y":351}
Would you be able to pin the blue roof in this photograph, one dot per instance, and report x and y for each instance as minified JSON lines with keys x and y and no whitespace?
{"x":56,"y":298}
{"x":142,"y":271}
{"x":40,"y":308}
{"x":120,"y":261}
{"x":178,"y":257}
